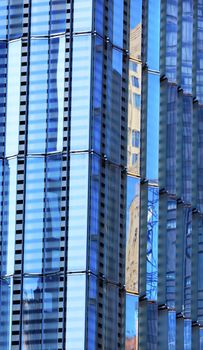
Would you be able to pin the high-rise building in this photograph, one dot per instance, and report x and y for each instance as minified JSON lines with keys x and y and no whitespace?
{"x":101,"y":204}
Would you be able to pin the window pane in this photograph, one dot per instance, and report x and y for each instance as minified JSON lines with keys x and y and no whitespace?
{"x":131,"y":323}
{"x":82,"y":21}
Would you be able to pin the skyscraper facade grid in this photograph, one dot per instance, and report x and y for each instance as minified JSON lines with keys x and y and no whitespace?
{"x":101,"y":107}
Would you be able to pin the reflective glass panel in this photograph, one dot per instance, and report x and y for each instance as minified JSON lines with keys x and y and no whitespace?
{"x":153,"y":102}
{"x":6,"y":290}
{"x":171,"y":38}
{"x":80,"y":100}
{"x":187,"y":149}
{"x":15,"y":20}
{"x":187,"y":44}
{"x":82,"y":21}
{"x":152,"y":243}
{"x":76,"y":309}
{"x":152,"y":326}
{"x":9,"y":216}
{"x":34,"y":215}
{"x":78,"y":212}
{"x":187,"y":227}
{"x":134,"y":117}
{"x":13,"y":97}
{"x":132,"y":231}
{"x":171,"y":330}
{"x":199,"y":53}
{"x":153,"y":38}
{"x":131,"y":323}
{"x":187,"y":334}
{"x":171,"y":252}
{"x":135,"y":28}
{"x":3,"y":81}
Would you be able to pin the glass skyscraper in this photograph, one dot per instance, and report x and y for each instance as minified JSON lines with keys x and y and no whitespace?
{"x":101,"y":174}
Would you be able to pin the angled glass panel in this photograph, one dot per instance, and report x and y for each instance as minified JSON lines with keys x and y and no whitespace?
{"x":113,"y":112}
{"x":135,"y":29}
{"x":76,"y":311}
{"x":52,"y":214}
{"x":6,"y":290}
{"x":94,"y":213}
{"x":34,"y":215}
{"x":131,"y":323}
{"x":132,"y":231}
{"x":56,"y":79}
{"x":15,"y":18}
{"x":38,"y":88}
{"x":134,"y":117}
{"x":48,"y":17}
{"x":97,"y":94}
{"x":80,"y":100}
{"x":171,"y":330}
{"x":187,"y":44}
{"x":153,"y":103}
{"x":78,"y":212}
{"x":82,"y":16}
{"x":153,"y":38}
{"x":115,"y":25}
{"x":13,"y":97}
{"x":9,"y":216}
{"x":187,"y":334}
{"x":199,"y":53}
{"x":152,"y":243}
{"x":3,"y":81}
{"x":171,"y":39}
{"x":171,"y":252}
{"x":187,"y":149}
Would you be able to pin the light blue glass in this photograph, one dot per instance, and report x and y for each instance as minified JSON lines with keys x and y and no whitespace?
{"x":6,"y":290}
{"x":15,"y":20}
{"x":153,"y":103}
{"x":152,"y":243}
{"x":82,"y":20}
{"x":48,"y":17}
{"x":3,"y":18}
{"x":9,"y":216}
{"x":118,"y":10}
{"x":80,"y":100}
{"x":78,"y":212}
{"x":99,"y":17}
{"x":13,"y":98}
{"x":171,"y":330}
{"x":34,"y":215}
{"x":76,"y":311}
{"x":132,"y":233}
{"x":46,"y":95}
{"x":3,"y":80}
{"x":187,"y":334}
{"x":131,"y":323}
{"x":201,"y":338}
{"x":52,"y":214}
{"x":153,"y":38}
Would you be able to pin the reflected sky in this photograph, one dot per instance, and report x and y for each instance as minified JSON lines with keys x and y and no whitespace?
{"x":131,"y":315}
{"x":135,"y":13}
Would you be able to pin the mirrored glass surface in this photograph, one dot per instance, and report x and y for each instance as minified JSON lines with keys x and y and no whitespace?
{"x":152,"y":243}
{"x":13,"y":97}
{"x":80,"y":99}
{"x":82,"y":20}
{"x":171,"y":330}
{"x":199,"y":53}
{"x":187,"y":149}
{"x":171,"y":252}
{"x":187,"y":334}
{"x":171,"y":39}
{"x":34,"y":215}
{"x":78,"y":212}
{"x":152,"y":326}
{"x":187,"y":44}
{"x":135,"y":29}
{"x":153,"y":37}
{"x":3,"y":80}
{"x":6,"y":290}
{"x":187,"y":230}
{"x":48,"y":17}
{"x":113,"y":108}
{"x":131,"y":323}
{"x":9,"y":216}
{"x":11,"y":13}
{"x":199,"y":160}
{"x":134,"y":117}
{"x":153,"y":104}
{"x":132,"y":232}
{"x":76,"y":309}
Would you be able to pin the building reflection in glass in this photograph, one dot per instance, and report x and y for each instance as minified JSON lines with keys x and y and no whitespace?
{"x":131,"y":339}
{"x":152,"y":243}
{"x":132,"y":229}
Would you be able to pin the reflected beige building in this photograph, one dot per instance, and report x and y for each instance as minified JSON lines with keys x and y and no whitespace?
{"x":132,"y":246}
{"x":134,"y":103}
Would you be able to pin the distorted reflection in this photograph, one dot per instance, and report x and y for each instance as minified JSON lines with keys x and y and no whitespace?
{"x":132,"y":231}
{"x":131,"y":325}
{"x":135,"y":29}
{"x":152,"y":243}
